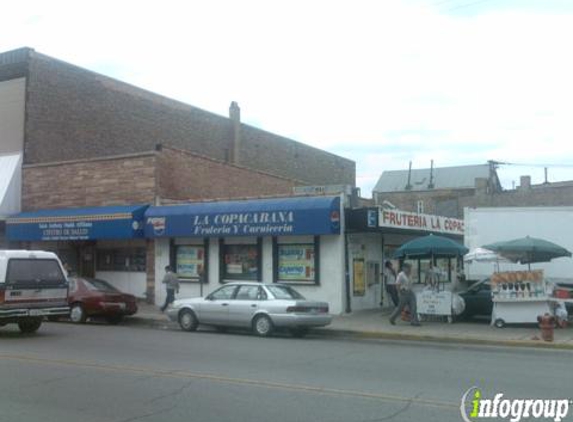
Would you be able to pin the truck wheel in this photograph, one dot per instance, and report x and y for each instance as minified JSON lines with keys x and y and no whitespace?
{"x":78,"y":314}
{"x":29,"y":325}
{"x":262,"y":326}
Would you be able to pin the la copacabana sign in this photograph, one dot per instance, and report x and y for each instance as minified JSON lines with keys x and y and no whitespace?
{"x":420,"y":222}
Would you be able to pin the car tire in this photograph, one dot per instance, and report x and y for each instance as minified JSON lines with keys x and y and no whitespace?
{"x":114,"y":320}
{"x":187,"y":320}
{"x":263,"y":326}
{"x":299,"y":332}
{"x":29,"y":325}
{"x":499,"y":323}
{"x":78,"y":314}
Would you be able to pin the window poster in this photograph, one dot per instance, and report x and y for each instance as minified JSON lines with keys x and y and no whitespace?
{"x":190,"y":261}
{"x":241,"y":262}
{"x":296,"y":263}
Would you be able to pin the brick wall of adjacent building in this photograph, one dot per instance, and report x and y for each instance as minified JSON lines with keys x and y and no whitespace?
{"x":451,"y":203}
{"x":538,"y":195}
{"x":169,"y":174}
{"x":97,"y":182}
{"x":187,"y":176}
{"x":73,"y":113}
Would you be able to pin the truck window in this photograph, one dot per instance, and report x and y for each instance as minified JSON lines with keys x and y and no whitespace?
{"x":34,"y":271}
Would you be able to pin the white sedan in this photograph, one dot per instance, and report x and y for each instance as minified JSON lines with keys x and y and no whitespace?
{"x":261,"y":307}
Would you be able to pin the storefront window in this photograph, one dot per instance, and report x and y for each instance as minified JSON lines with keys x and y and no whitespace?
{"x":189,"y":261}
{"x":124,"y":259}
{"x":296,"y":263}
{"x":241,"y":262}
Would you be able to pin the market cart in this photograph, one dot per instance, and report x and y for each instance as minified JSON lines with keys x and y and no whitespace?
{"x":433,"y":301}
{"x":519,"y":297}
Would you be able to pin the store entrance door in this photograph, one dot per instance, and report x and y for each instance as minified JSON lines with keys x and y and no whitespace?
{"x":87,"y":261}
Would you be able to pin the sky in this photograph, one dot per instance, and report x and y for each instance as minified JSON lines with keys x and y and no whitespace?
{"x":381,"y":82}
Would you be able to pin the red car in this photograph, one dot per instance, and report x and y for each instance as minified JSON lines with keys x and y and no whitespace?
{"x":90,"y":297}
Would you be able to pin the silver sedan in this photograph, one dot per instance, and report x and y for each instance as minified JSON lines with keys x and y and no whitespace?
{"x":261,"y":307}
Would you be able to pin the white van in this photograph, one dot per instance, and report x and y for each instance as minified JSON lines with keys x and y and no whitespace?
{"x":33,"y":285}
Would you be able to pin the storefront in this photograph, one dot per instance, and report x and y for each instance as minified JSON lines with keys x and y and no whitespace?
{"x":101,"y":242}
{"x":295,"y":240}
{"x":374,"y":234}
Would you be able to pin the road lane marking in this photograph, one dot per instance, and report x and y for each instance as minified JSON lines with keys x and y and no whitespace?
{"x":230,"y":380}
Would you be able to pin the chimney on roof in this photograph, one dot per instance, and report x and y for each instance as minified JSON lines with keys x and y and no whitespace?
{"x":431,"y":184}
{"x":525,"y":183}
{"x":409,"y":184}
{"x":235,"y":116}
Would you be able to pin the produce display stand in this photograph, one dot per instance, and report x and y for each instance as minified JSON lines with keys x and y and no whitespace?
{"x":519,"y":297}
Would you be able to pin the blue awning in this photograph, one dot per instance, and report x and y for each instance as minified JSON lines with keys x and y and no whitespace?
{"x":257,"y":217}
{"x":116,"y":222}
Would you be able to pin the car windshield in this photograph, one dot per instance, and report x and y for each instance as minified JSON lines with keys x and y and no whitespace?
{"x":100,"y":285}
{"x":284,"y":292}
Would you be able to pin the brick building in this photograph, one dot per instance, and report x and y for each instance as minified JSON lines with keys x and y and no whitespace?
{"x":71,"y":113}
{"x":447,"y":191}
{"x":92,"y":153}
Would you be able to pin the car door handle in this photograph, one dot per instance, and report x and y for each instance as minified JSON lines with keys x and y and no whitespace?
{"x":224,"y":304}
{"x":253,"y":306}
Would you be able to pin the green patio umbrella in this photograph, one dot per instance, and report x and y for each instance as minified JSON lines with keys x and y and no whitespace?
{"x":431,"y":246}
{"x":528,"y":250}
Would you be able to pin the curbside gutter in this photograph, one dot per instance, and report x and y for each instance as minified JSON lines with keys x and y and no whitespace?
{"x":164,"y":323}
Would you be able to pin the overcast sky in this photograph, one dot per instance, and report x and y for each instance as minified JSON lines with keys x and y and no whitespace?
{"x":381,"y":82}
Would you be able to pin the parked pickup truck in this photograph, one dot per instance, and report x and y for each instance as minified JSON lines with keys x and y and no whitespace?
{"x":33,"y":285}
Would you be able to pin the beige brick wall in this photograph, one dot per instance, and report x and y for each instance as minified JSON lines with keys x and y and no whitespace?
{"x":187,"y":176}
{"x":99,"y":182}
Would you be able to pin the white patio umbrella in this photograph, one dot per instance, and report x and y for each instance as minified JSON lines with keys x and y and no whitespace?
{"x":484,"y":255}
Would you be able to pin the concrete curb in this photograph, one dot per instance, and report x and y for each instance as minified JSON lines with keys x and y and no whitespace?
{"x":443,"y":339}
{"x":385,"y":335}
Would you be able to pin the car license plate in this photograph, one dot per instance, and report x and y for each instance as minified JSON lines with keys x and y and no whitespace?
{"x":36,"y":312}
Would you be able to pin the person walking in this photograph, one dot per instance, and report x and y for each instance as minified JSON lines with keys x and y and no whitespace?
{"x":406,"y":295}
{"x":390,"y":281}
{"x":171,"y":286}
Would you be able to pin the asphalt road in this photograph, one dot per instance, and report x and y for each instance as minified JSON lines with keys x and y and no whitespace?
{"x":130,"y":373}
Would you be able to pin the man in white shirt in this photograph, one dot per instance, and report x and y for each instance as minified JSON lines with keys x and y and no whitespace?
{"x":390,"y":281}
{"x":407,"y":296}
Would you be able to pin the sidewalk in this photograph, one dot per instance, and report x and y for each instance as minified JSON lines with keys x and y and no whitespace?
{"x":375,"y":324}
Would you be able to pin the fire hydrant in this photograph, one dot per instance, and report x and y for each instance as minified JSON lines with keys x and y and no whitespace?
{"x":547,"y":325}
